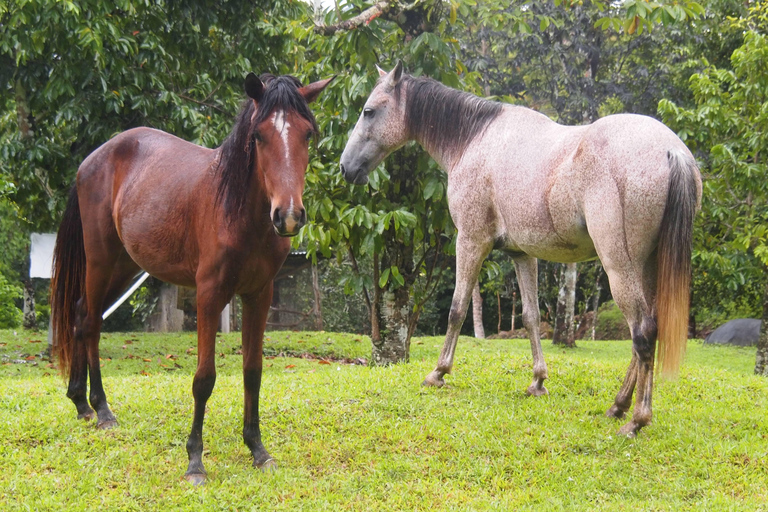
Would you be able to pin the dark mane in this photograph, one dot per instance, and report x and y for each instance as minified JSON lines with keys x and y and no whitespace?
{"x":444,"y":118}
{"x":238,"y":151}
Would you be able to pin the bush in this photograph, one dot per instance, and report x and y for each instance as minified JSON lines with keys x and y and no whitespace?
{"x":10,"y":315}
{"x":611,"y":324}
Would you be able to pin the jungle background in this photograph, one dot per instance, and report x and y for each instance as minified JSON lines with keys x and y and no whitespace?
{"x":75,"y":73}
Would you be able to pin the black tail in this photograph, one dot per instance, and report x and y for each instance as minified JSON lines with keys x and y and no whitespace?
{"x":674,"y":260}
{"x":67,"y":281}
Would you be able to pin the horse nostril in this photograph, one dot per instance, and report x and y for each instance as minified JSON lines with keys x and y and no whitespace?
{"x":276,"y":217}
{"x":303,"y":217}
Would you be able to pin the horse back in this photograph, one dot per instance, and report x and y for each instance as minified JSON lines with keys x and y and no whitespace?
{"x":152,"y":188}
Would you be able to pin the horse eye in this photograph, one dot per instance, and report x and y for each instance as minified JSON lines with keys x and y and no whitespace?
{"x":369,"y":112}
{"x":309,"y":135}
{"x":257,"y":136}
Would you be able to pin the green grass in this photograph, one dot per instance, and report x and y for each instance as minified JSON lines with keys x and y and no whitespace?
{"x":350,"y":437}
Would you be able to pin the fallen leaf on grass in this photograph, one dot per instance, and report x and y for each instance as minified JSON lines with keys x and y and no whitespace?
{"x":50,"y":365}
{"x":30,"y":358}
{"x":128,"y":342}
{"x":35,"y":341}
{"x":147,"y":360}
{"x":269,"y":357}
{"x":170,"y":356}
{"x":323,"y":361}
{"x":290,"y":366}
{"x":3,"y":344}
{"x":144,"y":372}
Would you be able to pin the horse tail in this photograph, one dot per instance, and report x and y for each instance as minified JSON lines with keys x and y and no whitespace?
{"x":674,"y":261}
{"x":67,"y":281}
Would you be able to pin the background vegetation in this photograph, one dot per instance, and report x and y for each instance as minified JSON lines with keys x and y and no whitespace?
{"x":74,"y":73}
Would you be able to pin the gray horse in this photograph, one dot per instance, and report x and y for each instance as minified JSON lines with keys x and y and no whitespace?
{"x":624,"y":189}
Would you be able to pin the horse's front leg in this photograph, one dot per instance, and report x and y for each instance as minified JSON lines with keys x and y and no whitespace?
{"x":527,"y":269}
{"x":210,"y":303}
{"x":469,"y":259}
{"x":255,"y":311}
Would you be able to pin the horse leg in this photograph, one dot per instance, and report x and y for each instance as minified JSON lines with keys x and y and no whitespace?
{"x":469,"y":259}
{"x":624,"y":397}
{"x":643,"y":347}
{"x":630,"y":290}
{"x":77,"y":391}
{"x":527,"y":270}
{"x":210,"y":303}
{"x":121,"y":273}
{"x":255,"y":311}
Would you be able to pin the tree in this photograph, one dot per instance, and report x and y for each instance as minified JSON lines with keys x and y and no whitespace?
{"x":728,"y":129}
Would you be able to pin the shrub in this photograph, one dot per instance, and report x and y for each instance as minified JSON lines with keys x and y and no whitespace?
{"x":611,"y":324}
{"x":10,"y":315}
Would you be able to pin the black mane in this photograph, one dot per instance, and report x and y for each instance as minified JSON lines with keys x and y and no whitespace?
{"x":444,"y":118}
{"x":238,"y":151}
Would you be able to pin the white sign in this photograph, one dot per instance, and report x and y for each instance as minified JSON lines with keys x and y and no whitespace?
{"x":41,"y":255}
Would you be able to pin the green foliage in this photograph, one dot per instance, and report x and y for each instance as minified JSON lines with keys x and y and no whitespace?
{"x":611,"y":324}
{"x":73,"y":74}
{"x":728,"y":129}
{"x":360,"y":438}
{"x":10,"y":315}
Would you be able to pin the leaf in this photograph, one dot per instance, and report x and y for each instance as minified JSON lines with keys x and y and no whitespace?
{"x":323,"y":361}
{"x":289,"y":366}
{"x":384,"y":278}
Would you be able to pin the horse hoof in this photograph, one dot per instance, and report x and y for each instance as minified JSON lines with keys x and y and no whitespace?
{"x":268,"y":466}
{"x":630,"y":429}
{"x":107,"y":424}
{"x":195,"y":479}
{"x":614,"y":412}
{"x":87,"y":416}
{"x":534,"y":390}
{"x":434,"y":380}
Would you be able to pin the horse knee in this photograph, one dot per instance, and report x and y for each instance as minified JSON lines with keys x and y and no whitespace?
{"x":531,"y":320}
{"x":644,"y":340}
{"x":455,"y":316}
{"x":202,"y":387}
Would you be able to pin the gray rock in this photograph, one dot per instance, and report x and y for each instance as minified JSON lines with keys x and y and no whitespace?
{"x":743,"y":332}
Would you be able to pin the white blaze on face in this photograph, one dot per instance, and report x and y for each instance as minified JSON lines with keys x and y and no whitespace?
{"x":282,"y":126}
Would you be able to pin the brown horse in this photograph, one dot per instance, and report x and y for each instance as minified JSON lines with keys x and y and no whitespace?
{"x":214,"y":219}
{"x":624,"y":189}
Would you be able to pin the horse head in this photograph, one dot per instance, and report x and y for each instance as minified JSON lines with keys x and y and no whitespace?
{"x":282,"y":126}
{"x":380,"y":130}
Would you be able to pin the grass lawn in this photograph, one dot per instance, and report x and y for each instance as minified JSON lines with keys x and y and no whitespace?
{"x":350,"y":437}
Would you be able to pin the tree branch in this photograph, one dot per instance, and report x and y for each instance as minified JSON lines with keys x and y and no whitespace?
{"x":365,"y":17}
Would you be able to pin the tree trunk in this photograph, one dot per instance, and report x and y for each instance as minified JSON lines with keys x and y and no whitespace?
{"x":514,"y":311}
{"x":30,"y":322}
{"x":394,"y":344}
{"x":317,"y":309}
{"x":566,"y":304}
{"x":761,"y":361}
{"x":596,"y":301}
{"x":392,"y":302}
{"x":477,"y":311}
{"x":167,"y":317}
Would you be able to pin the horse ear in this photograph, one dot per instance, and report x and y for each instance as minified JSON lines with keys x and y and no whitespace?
{"x":313,"y":90}
{"x":381,"y":71}
{"x":254,"y":88}
{"x":396,"y":74}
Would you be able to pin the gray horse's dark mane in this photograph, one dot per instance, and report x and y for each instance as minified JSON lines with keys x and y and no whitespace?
{"x":442,"y":118}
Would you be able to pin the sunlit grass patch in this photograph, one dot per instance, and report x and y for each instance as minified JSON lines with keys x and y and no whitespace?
{"x":353,"y":437}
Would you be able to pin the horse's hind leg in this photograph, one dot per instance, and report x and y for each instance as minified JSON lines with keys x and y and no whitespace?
{"x":526,"y":268}
{"x":624,"y":397}
{"x":77,"y":391}
{"x":629,"y":291}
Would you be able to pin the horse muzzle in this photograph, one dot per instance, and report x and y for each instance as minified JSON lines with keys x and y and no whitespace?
{"x":356,"y":176}
{"x":288,"y":223}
